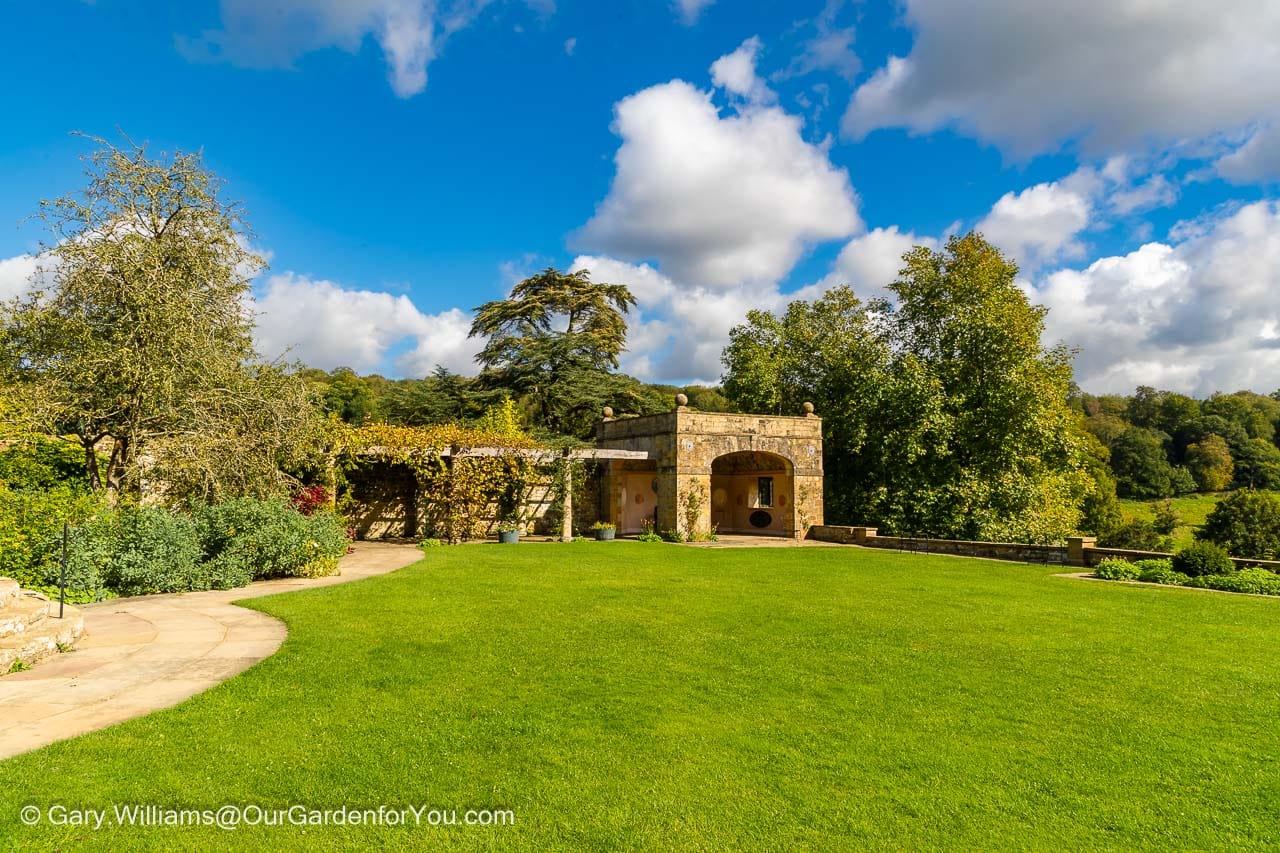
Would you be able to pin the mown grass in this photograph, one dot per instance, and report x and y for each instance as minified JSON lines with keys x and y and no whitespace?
{"x":639,"y":696}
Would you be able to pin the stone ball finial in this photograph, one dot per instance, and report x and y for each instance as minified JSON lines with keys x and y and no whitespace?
{"x":608,"y":411}
{"x":807,"y":408}
{"x":682,"y":400}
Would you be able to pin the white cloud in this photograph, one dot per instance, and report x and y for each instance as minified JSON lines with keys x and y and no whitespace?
{"x":326,"y":325}
{"x":736,"y":72}
{"x":680,"y":330}
{"x":691,"y":10}
{"x":275,"y":33}
{"x":570,"y":45}
{"x":1258,"y":159}
{"x":717,"y":200}
{"x":1114,"y":74}
{"x":868,"y":263}
{"x":1038,"y":224}
{"x":1156,"y":191}
{"x":16,"y":276}
{"x":830,"y":48}
{"x":1196,"y":314}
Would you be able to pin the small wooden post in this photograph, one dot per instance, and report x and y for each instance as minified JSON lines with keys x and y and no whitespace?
{"x":566,"y":524}
{"x":62,"y":578}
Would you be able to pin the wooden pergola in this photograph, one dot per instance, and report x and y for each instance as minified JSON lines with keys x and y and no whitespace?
{"x":586,"y":453}
{"x":592,"y":454}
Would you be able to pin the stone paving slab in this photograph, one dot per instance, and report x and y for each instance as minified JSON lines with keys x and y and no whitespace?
{"x":143,"y":654}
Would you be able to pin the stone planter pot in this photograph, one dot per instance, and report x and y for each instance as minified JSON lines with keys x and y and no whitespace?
{"x":508,"y":537}
{"x":605,"y":535}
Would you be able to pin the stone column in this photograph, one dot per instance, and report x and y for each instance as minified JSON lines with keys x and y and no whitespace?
{"x":1076,"y":546}
{"x":566,"y":524}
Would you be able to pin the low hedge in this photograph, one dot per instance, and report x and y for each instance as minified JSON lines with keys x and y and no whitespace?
{"x":145,"y":550}
{"x":1113,"y":569}
{"x":1255,"y":581}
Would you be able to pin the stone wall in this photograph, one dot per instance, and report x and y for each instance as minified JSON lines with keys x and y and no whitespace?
{"x":868,"y":537}
{"x":1080,"y":551}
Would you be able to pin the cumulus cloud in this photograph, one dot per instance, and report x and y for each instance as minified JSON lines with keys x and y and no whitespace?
{"x":275,"y":33}
{"x":1113,"y":74}
{"x":736,"y":72}
{"x":716,"y":200}
{"x":16,"y":276}
{"x":326,"y":325}
{"x":1195,"y":314}
{"x":681,"y":329}
{"x":1039,"y":223}
{"x":869,"y":263}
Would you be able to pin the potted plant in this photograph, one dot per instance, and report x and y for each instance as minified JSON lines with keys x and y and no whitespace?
{"x":604,"y":531}
{"x":508,"y":531}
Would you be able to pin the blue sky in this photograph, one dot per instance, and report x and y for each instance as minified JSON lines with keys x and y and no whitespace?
{"x":404,"y":161}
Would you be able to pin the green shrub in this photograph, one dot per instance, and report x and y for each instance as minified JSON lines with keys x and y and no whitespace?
{"x":137,"y":551}
{"x":248,"y":539}
{"x":1182,"y":481}
{"x":1163,"y":575}
{"x":1159,"y":563}
{"x":1113,"y":569}
{"x":1167,"y":518}
{"x":1246,"y":523}
{"x":426,"y":544}
{"x":37,"y":464}
{"x":31,"y":531}
{"x":1136,"y":534}
{"x":1203,"y":558}
{"x":1257,"y":581}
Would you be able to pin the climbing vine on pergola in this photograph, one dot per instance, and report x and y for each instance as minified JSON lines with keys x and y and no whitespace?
{"x":465,"y":470}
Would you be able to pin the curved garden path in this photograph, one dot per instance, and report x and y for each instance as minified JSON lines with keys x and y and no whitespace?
{"x":139,"y":655}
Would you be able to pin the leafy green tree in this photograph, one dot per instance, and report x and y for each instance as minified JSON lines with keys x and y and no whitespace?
{"x":556,"y":339}
{"x":1257,"y":414}
{"x":1175,"y":410}
{"x":1199,"y":429}
{"x":350,"y":397}
{"x":441,"y":398}
{"x":1100,"y":511}
{"x":1106,"y":428}
{"x":943,"y":412}
{"x":1138,"y":534}
{"x":1246,"y":523}
{"x":1209,"y":461}
{"x":1105,"y":404}
{"x":138,"y":332}
{"x":1142,"y":469}
{"x":827,"y":352}
{"x":1144,"y":407}
{"x":1257,"y":464}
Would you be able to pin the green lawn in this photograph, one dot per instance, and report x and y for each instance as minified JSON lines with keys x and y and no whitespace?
{"x":628,"y":695}
{"x":1194,"y":509}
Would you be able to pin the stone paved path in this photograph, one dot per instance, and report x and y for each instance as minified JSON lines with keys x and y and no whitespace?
{"x":139,"y":655}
